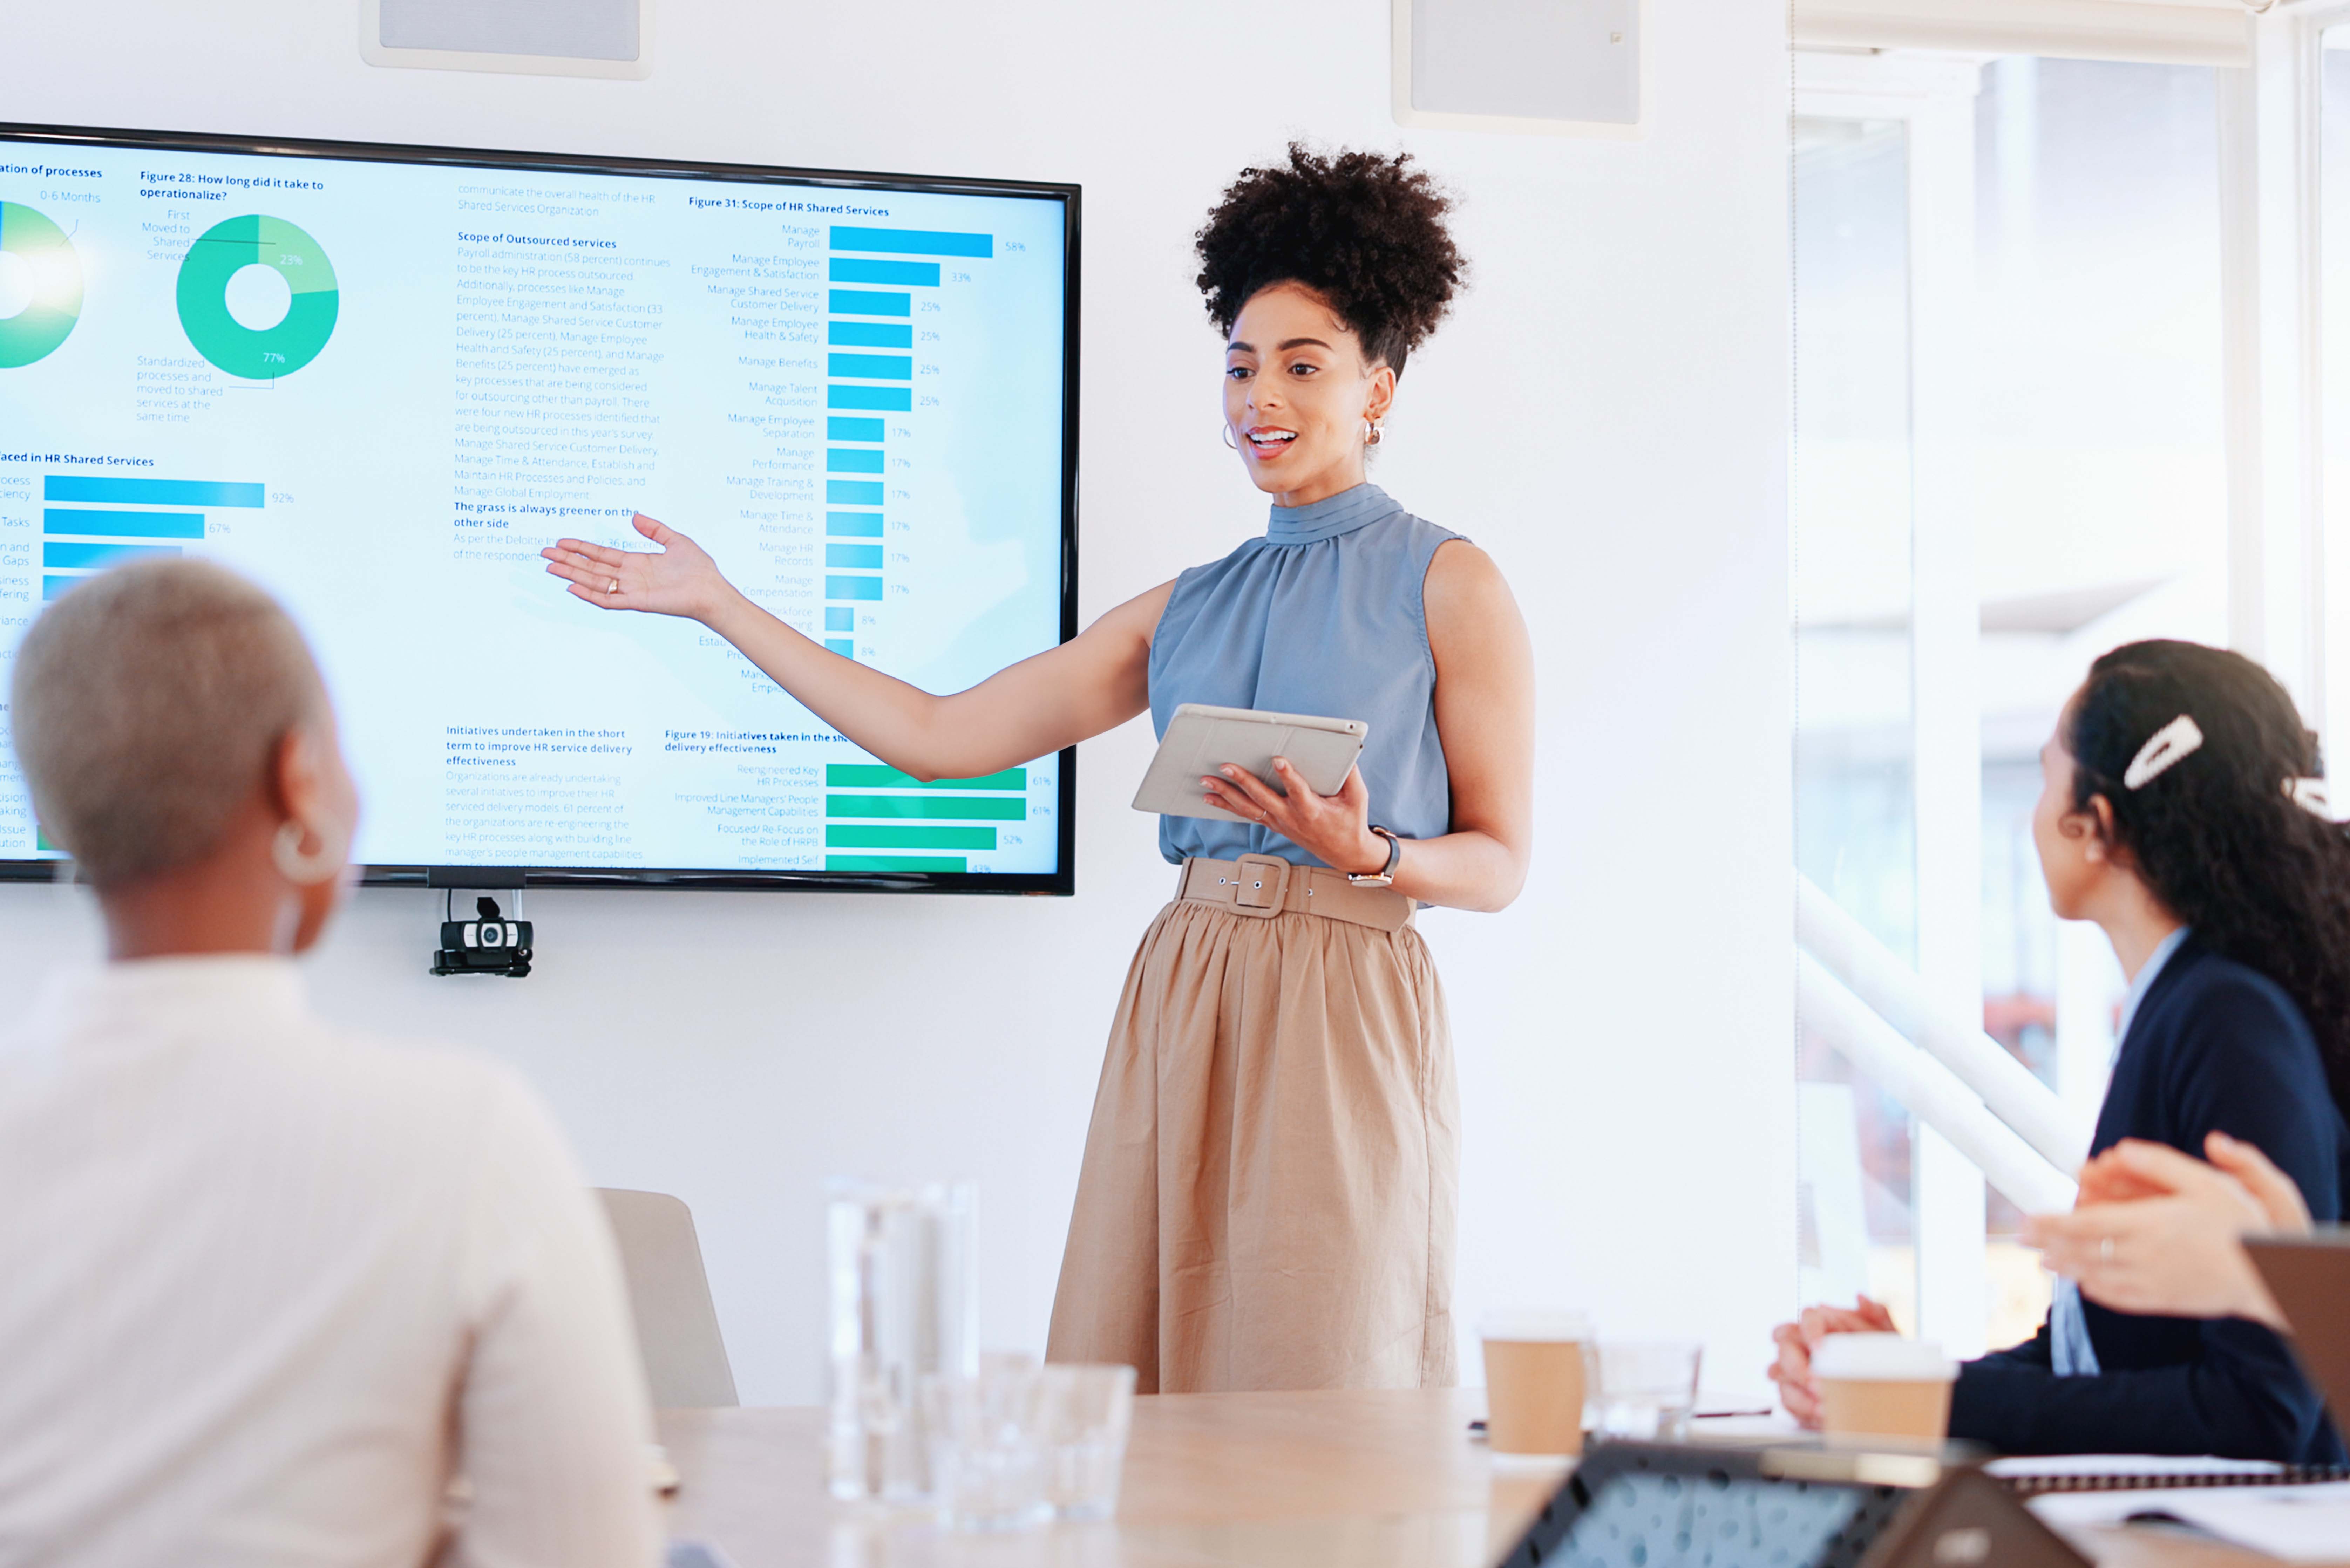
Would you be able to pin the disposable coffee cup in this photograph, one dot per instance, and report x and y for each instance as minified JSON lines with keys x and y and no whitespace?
{"x":1537,"y":1376}
{"x":1881,"y":1387}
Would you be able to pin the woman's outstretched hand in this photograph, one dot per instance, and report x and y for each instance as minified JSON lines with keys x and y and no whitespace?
{"x":679,"y":579}
{"x":1336,"y":829}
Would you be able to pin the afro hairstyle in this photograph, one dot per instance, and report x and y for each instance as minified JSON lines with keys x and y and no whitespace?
{"x":1365,"y":231}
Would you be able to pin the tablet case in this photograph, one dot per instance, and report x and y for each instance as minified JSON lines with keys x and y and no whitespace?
{"x":2310,"y":1277}
{"x":1201,"y":739}
{"x":1905,"y":1511}
{"x":1968,"y":1519}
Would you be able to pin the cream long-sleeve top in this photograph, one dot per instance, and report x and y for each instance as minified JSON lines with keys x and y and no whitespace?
{"x":266,"y":1288}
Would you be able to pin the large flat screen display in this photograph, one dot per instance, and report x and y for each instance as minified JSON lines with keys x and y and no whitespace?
{"x":377,"y":380}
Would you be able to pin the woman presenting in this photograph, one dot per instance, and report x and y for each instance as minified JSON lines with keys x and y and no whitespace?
{"x":1268,"y":1189}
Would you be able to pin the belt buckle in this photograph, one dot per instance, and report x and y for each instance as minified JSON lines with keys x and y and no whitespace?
{"x":1260,"y":886}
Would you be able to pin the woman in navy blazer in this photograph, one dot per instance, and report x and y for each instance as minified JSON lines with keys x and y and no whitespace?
{"x":2181,"y":812}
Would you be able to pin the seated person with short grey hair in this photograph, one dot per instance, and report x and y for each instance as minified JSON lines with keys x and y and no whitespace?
{"x":270,"y":1287}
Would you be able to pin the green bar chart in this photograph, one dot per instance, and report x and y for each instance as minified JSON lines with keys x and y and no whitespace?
{"x":886,"y":835}
{"x":950,"y":807}
{"x":870,"y":808}
{"x":860,"y":776}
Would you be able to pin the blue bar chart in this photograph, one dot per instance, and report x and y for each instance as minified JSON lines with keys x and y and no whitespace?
{"x":870,"y":335}
{"x":887,"y":399}
{"x":107,"y":489}
{"x":126,"y":524}
{"x":862,"y":379}
{"x":856,"y":269}
{"x":97,"y":555}
{"x":862,"y":304}
{"x":912,"y":242}
{"x":93,"y":522}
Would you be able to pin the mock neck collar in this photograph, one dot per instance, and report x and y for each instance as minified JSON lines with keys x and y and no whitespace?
{"x":1330,"y":516}
{"x":250,"y":986}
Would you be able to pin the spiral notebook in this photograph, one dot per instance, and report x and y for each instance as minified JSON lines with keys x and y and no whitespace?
{"x":2149,"y":1473}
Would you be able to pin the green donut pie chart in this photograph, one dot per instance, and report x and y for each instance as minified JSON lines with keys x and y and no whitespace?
{"x":34,"y":332}
{"x":227,"y":248}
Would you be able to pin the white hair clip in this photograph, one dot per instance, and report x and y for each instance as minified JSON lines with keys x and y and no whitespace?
{"x":2165,"y":747}
{"x":2310,"y":796}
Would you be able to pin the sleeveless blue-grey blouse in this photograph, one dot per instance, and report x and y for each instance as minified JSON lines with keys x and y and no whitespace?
{"x":1324,"y":615}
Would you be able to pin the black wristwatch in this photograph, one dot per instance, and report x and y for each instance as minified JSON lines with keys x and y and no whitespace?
{"x":1384,"y":875}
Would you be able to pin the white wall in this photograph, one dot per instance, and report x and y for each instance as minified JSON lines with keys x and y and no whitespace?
{"x":1607,"y":414}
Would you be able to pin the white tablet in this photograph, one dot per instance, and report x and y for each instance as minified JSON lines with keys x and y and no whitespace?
{"x":1201,"y":739}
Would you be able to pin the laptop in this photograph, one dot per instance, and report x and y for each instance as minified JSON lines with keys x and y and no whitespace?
{"x":2310,"y":1277}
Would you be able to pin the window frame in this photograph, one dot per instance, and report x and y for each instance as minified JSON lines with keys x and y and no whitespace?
{"x":2270,"y":130}
{"x":1934,"y":99}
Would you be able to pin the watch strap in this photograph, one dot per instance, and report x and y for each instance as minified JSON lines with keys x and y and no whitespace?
{"x":1385,"y":874}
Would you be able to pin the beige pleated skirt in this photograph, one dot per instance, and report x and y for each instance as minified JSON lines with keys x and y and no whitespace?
{"x":1271,"y":1175}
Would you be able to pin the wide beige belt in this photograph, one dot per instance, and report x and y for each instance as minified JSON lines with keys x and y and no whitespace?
{"x":1262,"y":886}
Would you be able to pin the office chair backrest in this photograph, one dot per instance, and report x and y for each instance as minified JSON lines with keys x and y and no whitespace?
{"x":677,"y":1326}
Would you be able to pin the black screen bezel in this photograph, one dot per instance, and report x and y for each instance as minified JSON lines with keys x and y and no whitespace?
{"x":1061,"y":881}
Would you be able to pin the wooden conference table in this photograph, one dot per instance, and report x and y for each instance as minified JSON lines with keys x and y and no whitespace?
{"x":1362,"y":1480}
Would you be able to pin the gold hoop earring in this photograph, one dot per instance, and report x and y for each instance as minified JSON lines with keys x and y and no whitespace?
{"x":1229,"y":442}
{"x":297,"y":866}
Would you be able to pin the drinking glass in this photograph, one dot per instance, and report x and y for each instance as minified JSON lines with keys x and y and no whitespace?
{"x":1647,"y":1389}
{"x":987,"y":1445}
{"x":1086,"y":1410}
{"x":903,"y":1309}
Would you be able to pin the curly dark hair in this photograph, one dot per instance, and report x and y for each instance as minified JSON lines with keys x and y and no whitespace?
{"x":1363,"y":230}
{"x":2218,"y":836}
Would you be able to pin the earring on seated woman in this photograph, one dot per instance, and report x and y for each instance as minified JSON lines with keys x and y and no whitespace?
{"x":1374,"y":430}
{"x":297,"y":866}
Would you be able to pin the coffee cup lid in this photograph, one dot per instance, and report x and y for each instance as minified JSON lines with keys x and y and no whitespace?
{"x":1882,"y":1358}
{"x":1536,"y":1326}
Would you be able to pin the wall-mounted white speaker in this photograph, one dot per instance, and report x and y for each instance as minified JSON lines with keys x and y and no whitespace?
{"x":537,"y":37}
{"x":1568,"y":67}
